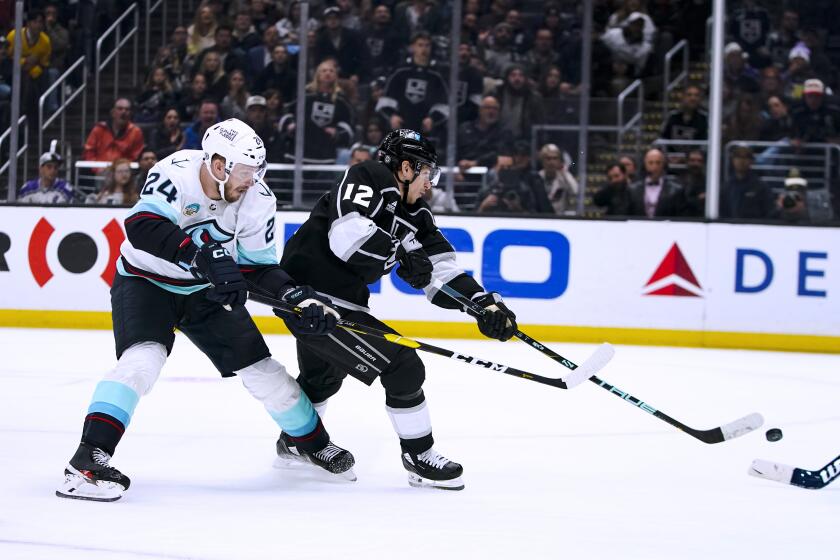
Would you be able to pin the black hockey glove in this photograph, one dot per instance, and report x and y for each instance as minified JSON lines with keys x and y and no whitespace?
{"x":317,"y":318}
{"x":415,"y":266}
{"x":498,"y":321}
{"x":213,"y":263}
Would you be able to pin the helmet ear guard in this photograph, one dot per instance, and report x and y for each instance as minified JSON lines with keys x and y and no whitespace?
{"x":236,"y":143}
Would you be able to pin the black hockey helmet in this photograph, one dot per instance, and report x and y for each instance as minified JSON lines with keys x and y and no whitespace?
{"x":407,"y":145}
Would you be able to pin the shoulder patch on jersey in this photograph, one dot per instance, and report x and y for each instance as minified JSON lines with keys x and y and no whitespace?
{"x":192,"y":209}
{"x":392,"y":207}
{"x":264,"y":190}
{"x":179,"y":163}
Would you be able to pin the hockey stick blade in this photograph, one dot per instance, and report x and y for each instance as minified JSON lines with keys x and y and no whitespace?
{"x":591,"y":366}
{"x":742,"y":426}
{"x":779,"y":472}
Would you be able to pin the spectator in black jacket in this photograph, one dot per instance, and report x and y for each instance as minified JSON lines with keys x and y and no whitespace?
{"x":614,"y":196}
{"x":245,"y":35}
{"x":521,"y":106}
{"x":693,"y":181}
{"x":814,"y":120}
{"x":380,"y":45}
{"x":657,"y":195}
{"x":340,"y":43}
{"x":168,"y":138}
{"x":416,"y":93}
{"x":777,"y":122}
{"x":470,"y":85}
{"x":689,"y":122}
{"x":279,"y":75}
{"x":744,"y":195}
{"x":482,"y":140}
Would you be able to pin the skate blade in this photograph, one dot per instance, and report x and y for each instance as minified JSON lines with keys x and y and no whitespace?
{"x":77,"y":487}
{"x":417,"y":481}
{"x":299,"y":463}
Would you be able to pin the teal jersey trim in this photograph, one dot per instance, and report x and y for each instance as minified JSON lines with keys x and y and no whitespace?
{"x":260,"y":256}
{"x":155,"y":207}
{"x":115,"y":399}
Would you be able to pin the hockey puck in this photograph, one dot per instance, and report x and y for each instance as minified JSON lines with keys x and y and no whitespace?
{"x":774,"y":434}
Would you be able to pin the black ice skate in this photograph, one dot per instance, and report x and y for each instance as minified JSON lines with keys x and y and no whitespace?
{"x":430,"y":469}
{"x":88,"y":476}
{"x":331,"y":458}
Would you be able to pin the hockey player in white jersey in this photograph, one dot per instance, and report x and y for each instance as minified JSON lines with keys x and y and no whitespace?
{"x":204,"y":223}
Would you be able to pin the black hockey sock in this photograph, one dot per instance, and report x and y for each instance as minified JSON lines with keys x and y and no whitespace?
{"x":103,"y":431}
{"x":314,"y":441}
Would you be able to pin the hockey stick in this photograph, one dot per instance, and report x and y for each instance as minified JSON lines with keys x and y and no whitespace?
{"x":416,"y":345}
{"x":796,"y":476}
{"x":715,"y":435}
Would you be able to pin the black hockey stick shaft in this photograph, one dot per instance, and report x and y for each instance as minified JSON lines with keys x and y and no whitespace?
{"x":467,"y":302}
{"x":415,"y":344}
{"x":715,"y":435}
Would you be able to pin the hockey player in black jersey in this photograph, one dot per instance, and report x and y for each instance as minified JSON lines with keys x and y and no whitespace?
{"x":373,"y":220}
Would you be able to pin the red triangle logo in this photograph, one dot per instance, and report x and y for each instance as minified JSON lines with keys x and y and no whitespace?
{"x":675,"y":264}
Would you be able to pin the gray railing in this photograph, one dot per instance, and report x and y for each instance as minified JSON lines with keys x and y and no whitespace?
{"x":669,"y":84}
{"x":150,"y":8}
{"x":279,"y":178}
{"x":119,"y":41}
{"x":635,"y":120}
{"x":65,"y":101}
{"x":13,"y":158}
{"x":676,"y":150}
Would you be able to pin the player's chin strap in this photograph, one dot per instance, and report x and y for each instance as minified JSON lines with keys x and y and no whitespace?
{"x":220,"y":185}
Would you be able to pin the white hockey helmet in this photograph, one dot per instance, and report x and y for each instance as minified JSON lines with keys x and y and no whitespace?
{"x":242,"y":148}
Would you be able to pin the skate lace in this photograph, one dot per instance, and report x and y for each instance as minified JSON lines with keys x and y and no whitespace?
{"x":101,"y":458}
{"x":433,"y":458}
{"x":329,"y":452}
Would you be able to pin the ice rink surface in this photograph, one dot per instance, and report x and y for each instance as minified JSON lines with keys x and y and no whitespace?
{"x":549,"y":473}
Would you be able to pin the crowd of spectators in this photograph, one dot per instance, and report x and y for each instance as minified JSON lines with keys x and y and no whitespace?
{"x":377,"y":65}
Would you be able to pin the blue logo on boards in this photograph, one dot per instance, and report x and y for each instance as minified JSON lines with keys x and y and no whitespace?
{"x":494,"y":244}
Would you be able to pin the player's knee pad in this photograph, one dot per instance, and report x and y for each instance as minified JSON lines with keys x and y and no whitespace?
{"x":139,"y":366}
{"x":404,"y":376}
{"x":268,"y":381}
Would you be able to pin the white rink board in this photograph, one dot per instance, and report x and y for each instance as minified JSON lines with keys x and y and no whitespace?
{"x":553,"y":272}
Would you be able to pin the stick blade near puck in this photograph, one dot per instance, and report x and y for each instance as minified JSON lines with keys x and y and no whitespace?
{"x":773,"y":434}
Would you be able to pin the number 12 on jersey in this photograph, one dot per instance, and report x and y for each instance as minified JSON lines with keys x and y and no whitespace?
{"x":363,"y":194}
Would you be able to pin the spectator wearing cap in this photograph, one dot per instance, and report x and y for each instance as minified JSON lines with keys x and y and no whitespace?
{"x":245,"y":35}
{"x":738,"y":75}
{"x":798,"y":71}
{"x":208,"y":115}
{"x":339,"y":43}
{"x":117,"y":138}
{"x":328,"y":118}
{"x":614,"y":195}
{"x":792,"y":204}
{"x":744,"y":195}
{"x":48,"y":188}
{"x":634,"y":9}
{"x":416,"y":94}
{"x":470,"y":85}
{"x":417,"y":15}
{"x":820,"y":64}
{"x":560,"y":186}
{"x":628,"y":43}
{"x":499,"y":51}
{"x":656,"y":195}
{"x":521,"y":106}
{"x":815,"y":119}
{"x":380,"y":45}
{"x":256,"y":116}
{"x":279,"y":75}
{"x":689,"y":122}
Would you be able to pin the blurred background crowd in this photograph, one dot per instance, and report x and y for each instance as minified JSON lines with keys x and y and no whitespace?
{"x":373,"y":66}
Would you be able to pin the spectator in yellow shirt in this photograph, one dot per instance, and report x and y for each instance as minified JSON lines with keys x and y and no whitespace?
{"x":35,"y":46}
